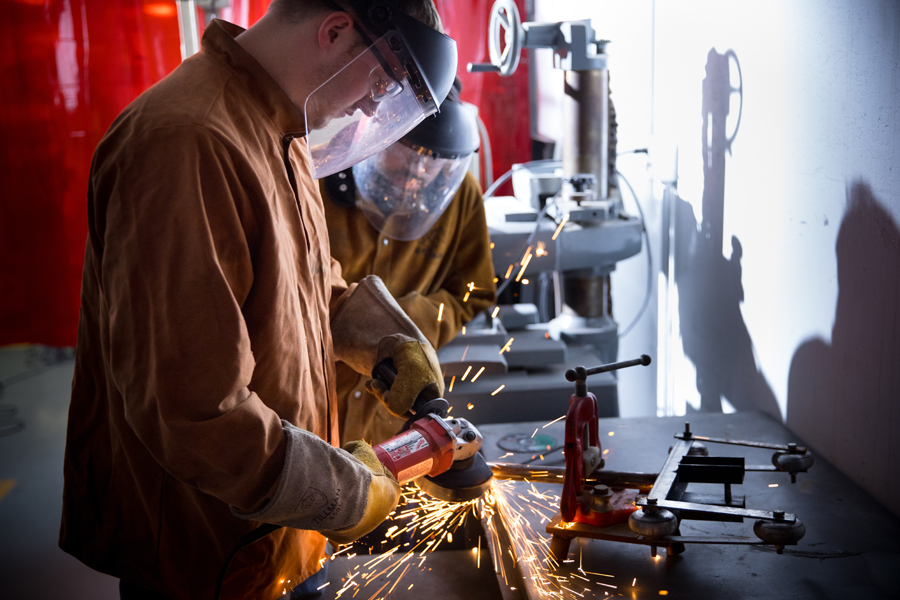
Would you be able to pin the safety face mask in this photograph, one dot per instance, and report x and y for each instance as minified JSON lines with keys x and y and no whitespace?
{"x":404,"y":189}
{"x":380,"y":95}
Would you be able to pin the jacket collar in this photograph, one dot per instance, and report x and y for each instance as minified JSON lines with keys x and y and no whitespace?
{"x":218,"y":41}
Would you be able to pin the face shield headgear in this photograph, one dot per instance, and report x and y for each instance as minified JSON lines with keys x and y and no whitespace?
{"x":381,"y":94}
{"x":404,"y":189}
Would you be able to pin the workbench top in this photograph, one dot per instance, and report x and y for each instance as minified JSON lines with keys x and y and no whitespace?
{"x":850,"y":549}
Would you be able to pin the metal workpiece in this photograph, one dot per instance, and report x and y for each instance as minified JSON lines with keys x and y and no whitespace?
{"x":851,"y":556}
{"x":780,"y":531}
{"x":653,"y":521}
{"x":793,"y":461}
{"x":550,"y":474}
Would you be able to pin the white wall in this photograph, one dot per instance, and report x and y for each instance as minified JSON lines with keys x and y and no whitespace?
{"x":803,"y":324}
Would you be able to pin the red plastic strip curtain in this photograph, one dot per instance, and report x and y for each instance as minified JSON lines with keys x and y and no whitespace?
{"x":502,"y":102}
{"x":68,"y":67}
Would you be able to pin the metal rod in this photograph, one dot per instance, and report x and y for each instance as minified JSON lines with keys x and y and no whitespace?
{"x":793,"y":449}
{"x":573,"y":374}
{"x":614,"y":479}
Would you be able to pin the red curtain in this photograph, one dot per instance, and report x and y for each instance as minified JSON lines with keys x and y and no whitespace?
{"x":67,"y":69}
{"x":502,"y":101}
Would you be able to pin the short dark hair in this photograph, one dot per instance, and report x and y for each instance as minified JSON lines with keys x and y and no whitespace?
{"x":300,"y":10}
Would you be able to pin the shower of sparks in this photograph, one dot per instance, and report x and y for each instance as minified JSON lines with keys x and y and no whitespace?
{"x":428,"y":523}
{"x":496,"y":312}
{"x":530,"y":545}
{"x":497,"y":391}
{"x":773,"y":485}
{"x":508,"y":272}
{"x":470,"y":406}
{"x":612,"y":433}
{"x":506,"y":347}
{"x":492,"y":245}
{"x":524,"y":282}
{"x":466,"y":297}
{"x":480,"y":371}
{"x":496,"y":279}
{"x":558,"y":229}
{"x":441,"y":312}
{"x":466,"y":374}
{"x":554,"y":421}
{"x":464,"y":330}
{"x":463,"y":359}
{"x":540,"y":251}
{"x":525,"y":260}
{"x":452,"y":380}
{"x":535,"y":432}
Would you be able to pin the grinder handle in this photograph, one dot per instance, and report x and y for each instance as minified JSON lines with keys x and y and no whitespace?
{"x":386,"y":373}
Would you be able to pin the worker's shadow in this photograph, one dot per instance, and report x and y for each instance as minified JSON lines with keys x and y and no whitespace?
{"x":714,"y":335}
{"x":860,"y":369}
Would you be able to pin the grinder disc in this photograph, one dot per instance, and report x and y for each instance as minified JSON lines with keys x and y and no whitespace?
{"x":465,"y":480}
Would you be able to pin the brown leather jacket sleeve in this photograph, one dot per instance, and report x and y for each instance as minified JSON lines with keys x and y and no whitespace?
{"x":176,"y":270}
{"x":472,"y":272}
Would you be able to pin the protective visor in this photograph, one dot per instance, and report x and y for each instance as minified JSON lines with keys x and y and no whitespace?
{"x":378,"y":97}
{"x":405,"y":189}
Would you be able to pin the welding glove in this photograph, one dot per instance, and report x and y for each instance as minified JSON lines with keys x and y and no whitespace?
{"x":344,"y":494}
{"x":370,"y":327}
{"x":384,"y":493}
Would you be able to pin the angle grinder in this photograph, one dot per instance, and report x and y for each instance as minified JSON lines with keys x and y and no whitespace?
{"x":440,"y":453}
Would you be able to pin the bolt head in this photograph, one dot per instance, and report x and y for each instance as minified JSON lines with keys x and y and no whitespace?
{"x":601,"y":490}
{"x":778,"y":514}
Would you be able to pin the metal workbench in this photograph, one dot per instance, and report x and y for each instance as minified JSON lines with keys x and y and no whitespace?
{"x":850,"y":549}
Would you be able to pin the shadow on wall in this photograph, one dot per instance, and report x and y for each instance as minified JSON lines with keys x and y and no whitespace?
{"x":844,"y":398}
{"x":714,"y":335}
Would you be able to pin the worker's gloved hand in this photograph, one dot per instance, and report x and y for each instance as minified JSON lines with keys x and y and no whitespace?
{"x":343,"y":494}
{"x":417,"y":369}
{"x":370,"y":327}
{"x":384,"y":493}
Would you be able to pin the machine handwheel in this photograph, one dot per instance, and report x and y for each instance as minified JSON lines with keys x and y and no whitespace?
{"x":505,"y":36}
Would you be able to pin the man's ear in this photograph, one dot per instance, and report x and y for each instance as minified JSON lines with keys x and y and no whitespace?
{"x":336,"y":32}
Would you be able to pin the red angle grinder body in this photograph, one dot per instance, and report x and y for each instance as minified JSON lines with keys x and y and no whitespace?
{"x":441,"y":455}
{"x":426,"y":448}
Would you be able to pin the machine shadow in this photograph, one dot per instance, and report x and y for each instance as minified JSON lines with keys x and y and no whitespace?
{"x":714,"y":335}
{"x":853,"y":383}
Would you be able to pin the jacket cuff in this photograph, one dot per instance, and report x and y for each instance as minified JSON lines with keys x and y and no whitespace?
{"x":321,"y":487}
{"x":366,"y":318}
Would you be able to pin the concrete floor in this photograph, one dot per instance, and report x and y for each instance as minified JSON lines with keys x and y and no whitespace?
{"x":34,"y":406}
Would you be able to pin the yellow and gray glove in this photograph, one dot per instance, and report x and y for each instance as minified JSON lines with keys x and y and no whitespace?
{"x":344,"y":494}
{"x":371,"y":327}
{"x":384,"y":493}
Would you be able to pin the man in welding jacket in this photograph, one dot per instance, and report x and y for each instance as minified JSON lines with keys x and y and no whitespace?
{"x":203,"y":412}
{"x":413,"y":215}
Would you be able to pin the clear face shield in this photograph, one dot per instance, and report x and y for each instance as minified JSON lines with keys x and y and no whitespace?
{"x":364,"y":108}
{"x":404,"y":190}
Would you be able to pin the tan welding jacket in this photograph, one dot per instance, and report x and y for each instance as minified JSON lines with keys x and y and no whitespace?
{"x":450,"y":265}
{"x":204,"y":322}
